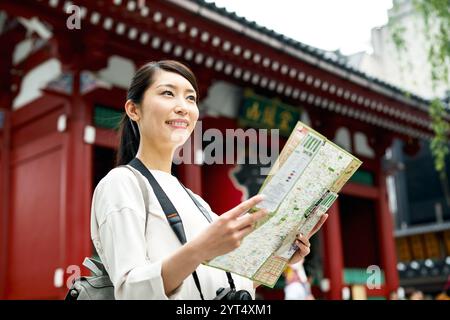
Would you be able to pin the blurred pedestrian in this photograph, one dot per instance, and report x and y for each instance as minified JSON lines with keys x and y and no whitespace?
{"x":298,"y":286}
{"x":393,"y":295}
{"x":445,"y":294}
{"x":416,"y":295}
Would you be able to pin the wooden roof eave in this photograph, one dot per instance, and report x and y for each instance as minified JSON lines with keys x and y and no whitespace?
{"x":364,"y":104}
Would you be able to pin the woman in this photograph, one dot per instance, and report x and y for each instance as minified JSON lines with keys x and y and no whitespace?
{"x":161,"y":113}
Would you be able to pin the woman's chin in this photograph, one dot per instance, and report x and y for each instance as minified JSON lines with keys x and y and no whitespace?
{"x":178,"y":138}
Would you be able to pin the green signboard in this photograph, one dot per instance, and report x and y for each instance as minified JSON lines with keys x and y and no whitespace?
{"x":363,"y":177}
{"x":259,"y":112}
{"x":107,"y":118}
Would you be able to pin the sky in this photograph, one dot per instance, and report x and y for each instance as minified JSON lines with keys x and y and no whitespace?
{"x":325,"y":24}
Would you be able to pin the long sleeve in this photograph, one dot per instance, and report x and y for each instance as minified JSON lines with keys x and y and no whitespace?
{"x":133,"y":276}
{"x":120,"y":241}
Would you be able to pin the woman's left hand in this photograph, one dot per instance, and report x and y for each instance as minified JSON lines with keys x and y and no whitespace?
{"x":302,"y":242}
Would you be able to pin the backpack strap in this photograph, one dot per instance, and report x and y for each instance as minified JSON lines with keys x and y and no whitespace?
{"x":167,"y":205}
{"x":144,"y":192}
{"x":96,"y":267}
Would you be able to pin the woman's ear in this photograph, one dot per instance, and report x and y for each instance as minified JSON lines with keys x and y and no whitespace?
{"x":132,"y":110}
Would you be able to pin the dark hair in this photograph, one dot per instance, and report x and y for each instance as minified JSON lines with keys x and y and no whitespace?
{"x":144,"y":77}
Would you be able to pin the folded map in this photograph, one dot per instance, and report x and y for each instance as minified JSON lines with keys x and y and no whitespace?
{"x":301,"y":186}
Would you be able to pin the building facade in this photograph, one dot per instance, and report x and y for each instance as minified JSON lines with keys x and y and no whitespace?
{"x":64,"y":89}
{"x":408,"y":67}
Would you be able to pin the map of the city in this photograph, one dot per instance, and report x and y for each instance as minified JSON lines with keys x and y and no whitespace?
{"x":302,"y":185}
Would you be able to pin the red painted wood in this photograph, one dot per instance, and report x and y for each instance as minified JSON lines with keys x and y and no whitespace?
{"x":35,"y":241}
{"x":217,"y":176}
{"x":377,"y":292}
{"x":190,"y":173}
{"x":37,"y":128}
{"x":33,"y":139}
{"x":386,"y":237}
{"x":333,"y":252}
{"x":106,"y":138}
{"x":36,"y":58}
{"x":360,"y":190}
{"x":37,"y":109}
{"x":112,"y":98}
{"x":79,"y":181}
{"x":32,"y":149}
{"x":359,"y":232}
{"x":29,"y":9}
{"x":191,"y":176}
{"x":4,"y":198}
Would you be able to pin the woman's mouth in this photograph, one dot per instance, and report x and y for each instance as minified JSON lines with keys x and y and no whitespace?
{"x":176,"y":124}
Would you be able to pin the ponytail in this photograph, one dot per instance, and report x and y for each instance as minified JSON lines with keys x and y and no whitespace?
{"x":129,"y":141}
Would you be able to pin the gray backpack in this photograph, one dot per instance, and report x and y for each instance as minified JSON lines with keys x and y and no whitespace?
{"x":96,"y":287}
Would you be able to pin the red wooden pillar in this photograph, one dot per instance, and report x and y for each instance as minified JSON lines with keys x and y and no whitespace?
{"x":332,"y":240}
{"x":333,"y":252}
{"x":78,"y":179}
{"x":386,"y":242}
{"x":386,"y":237}
{"x":4,"y":198}
{"x":80,"y":142}
{"x":191,"y":176}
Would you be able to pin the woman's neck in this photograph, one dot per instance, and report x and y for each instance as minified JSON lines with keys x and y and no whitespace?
{"x":155,"y":158}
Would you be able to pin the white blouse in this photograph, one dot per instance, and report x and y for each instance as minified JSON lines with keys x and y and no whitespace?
{"x":133,"y":261}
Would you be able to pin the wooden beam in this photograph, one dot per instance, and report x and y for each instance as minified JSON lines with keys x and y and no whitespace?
{"x":106,"y":138}
{"x":46,"y":104}
{"x":360,"y":191}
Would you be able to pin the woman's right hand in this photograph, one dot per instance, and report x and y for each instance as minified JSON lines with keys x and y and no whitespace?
{"x":226,"y":233}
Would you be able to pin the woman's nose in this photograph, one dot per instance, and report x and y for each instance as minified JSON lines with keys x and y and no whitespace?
{"x":181,"y":108}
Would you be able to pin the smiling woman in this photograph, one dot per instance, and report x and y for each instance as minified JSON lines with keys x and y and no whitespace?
{"x":151,"y":233}
{"x":131,"y":229}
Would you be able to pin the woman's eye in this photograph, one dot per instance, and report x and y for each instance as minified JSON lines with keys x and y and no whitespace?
{"x":167,"y":93}
{"x":192,"y":98}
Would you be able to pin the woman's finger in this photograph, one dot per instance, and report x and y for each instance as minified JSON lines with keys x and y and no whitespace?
{"x":249,"y":219}
{"x":243,"y":207}
{"x":303,"y":249}
{"x":244,"y":232}
{"x":319,"y":224}
{"x":304,"y":240}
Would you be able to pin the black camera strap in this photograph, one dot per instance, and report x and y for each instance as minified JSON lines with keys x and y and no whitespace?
{"x":172,"y":215}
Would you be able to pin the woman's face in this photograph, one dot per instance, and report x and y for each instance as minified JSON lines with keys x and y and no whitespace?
{"x":169,"y":111}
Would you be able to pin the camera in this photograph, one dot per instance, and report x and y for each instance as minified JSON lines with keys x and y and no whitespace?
{"x":232,"y":294}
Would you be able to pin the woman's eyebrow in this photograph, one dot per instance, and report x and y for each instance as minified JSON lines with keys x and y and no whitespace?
{"x":173,"y":87}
